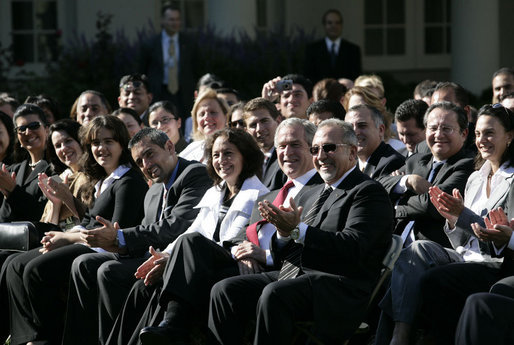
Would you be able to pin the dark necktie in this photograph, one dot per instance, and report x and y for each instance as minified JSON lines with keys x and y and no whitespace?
{"x":251,"y":230}
{"x":333,"y":54}
{"x":292,"y":265}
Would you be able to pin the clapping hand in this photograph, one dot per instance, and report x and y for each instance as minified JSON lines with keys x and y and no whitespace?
{"x":285,"y":219}
{"x":497,"y":229}
{"x":448,"y":206}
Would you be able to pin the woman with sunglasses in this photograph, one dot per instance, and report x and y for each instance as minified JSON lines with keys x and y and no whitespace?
{"x":209,"y":114}
{"x":116,"y":189}
{"x":23,"y":200}
{"x":486,"y":189}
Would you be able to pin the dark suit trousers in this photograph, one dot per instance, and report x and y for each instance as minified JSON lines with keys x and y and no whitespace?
{"x":138,"y":309}
{"x":37,"y":286}
{"x":445,"y":290}
{"x":279,"y":305}
{"x":5,"y":258}
{"x":99,"y":284}
{"x":194,"y":266}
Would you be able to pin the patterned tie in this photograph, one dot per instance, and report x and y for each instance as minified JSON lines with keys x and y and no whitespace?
{"x":251,"y":230}
{"x":172,"y":69}
{"x":292,"y":265}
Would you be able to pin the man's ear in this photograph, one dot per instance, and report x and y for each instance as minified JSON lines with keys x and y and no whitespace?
{"x":170,"y":147}
{"x":467,"y":108}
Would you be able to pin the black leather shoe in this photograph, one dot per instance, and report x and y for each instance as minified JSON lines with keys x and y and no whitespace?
{"x":161,"y":335}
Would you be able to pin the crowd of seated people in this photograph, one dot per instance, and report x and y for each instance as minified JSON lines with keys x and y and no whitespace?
{"x":280,"y":210}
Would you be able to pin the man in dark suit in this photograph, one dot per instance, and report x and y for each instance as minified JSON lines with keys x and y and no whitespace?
{"x":376,"y":158}
{"x":344,"y":237}
{"x":409,"y":123}
{"x":261,"y":119}
{"x":446,"y":132}
{"x":178,"y":187}
{"x":333,"y":56}
{"x":293,"y":140}
{"x":168,"y":60}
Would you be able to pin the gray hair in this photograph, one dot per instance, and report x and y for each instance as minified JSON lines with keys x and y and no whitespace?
{"x":349,"y":137}
{"x":376,"y":115}
{"x":308,"y":128}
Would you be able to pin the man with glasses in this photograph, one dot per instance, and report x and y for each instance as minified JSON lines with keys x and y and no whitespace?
{"x":261,"y":120}
{"x":448,"y":166}
{"x":330,"y":247}
{"x":135,"y":94}
{"x":375,"y":158}
{"x":163,"y":115}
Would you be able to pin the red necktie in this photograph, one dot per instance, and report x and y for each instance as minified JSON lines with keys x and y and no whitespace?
{"x":251,"y":230}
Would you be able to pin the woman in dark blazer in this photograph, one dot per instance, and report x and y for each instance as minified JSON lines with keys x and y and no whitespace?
{"x":37,"y":283}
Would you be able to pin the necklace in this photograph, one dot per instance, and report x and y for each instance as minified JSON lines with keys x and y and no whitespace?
{"x":33,"y":165}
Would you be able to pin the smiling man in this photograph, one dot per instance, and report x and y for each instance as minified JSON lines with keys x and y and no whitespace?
{"x":178,"y":186}
{"x":375,"y":158}
{"x":294,"y":101}
{"x":261,"y":121}
{"x":340,"y":245}
{"x":448,"y":166}
{"x":134,"y":94}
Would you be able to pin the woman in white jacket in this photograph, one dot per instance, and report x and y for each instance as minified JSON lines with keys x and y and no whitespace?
{"x":203,"y":254}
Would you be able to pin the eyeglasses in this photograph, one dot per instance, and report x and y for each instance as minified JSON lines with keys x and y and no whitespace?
{"x":32,"y":126}
{"x":237,"y":123}
{"x":443,"y":129}
{"x":127,"y":86}
{"x":163,"y":121}
{"x":327,"y":148}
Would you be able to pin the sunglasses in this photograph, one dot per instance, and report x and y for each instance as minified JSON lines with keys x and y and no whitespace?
{"x":327,"y":148}
{"x":32,"y":126}
{"x":237,"y":123}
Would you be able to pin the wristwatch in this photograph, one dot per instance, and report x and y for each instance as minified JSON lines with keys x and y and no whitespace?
{"x":295,"y":233}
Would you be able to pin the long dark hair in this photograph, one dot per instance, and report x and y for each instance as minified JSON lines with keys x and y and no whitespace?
{"x":506,"y":118}
{"x":253,"y":157}
{"x":71,"y":128}
{"x":9,"y":127}
{"x":89,"y":133}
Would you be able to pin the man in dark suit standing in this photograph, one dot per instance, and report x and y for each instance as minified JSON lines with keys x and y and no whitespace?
{"x":333,"y":56}
{"x":178,"y":187}
{"x":330,"y":260}
{"x":168,"y":61}
{"x":375,"y":158}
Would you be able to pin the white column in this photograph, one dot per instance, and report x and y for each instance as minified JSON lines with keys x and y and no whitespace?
{"x":475,"y":43}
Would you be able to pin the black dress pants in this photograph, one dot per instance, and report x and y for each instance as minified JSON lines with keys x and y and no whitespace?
{"x":38,"y":285}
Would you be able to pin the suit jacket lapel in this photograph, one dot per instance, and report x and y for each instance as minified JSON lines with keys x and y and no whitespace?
{"x":498,"y":194}
{"x":39,"y":168}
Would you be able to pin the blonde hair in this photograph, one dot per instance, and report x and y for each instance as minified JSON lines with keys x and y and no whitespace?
{"x":207,"y":93}
{"x":371,"y":81}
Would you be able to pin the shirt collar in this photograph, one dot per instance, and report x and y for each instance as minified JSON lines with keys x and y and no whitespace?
{"x":329,"y":42}
{"x":338,"y":182}
{"x":115,"y":175}
{"x":172,"y":177}
{"x":301,"y":181}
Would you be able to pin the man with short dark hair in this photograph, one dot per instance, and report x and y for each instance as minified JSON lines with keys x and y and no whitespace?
{"x":330,"y":258}
{"x":333,"y":56}
{"x":261,"y":120}
{"x":409,"y":123}
{"x":178,"y":186}
{"x":375,"y":158}
{"x":446,"y":131}
{"x":325,"y":109}
{"x":135,"y":94}
{"x":168,"y":60}
{"x":295,"y":100}
{"x":91,"y":104}
{"x":502,"y":83}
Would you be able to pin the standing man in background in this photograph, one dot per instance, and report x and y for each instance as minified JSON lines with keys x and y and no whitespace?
{"x":167,"y":60}
{"x":332,"y":56}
